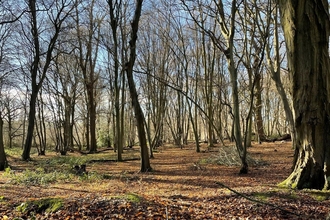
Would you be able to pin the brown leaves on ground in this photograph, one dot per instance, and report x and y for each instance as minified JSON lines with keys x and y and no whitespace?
{"x":182,"y":186}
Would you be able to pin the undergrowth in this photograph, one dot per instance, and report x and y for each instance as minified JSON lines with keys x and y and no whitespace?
{"x":229,"y":156}
{"x":57,"y":168}
{"x":41,"y":177}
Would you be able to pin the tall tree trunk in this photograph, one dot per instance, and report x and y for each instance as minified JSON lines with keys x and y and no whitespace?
{"x":35,"y":65}
{"x":229,"y":53}
{"x":35,"y":87}
{"x":30,"y":129}
{"x":3,"y":158}
{"x":145,"y":162}
{"x":92,"y":120}
{"x":306,"y":30}
{"x":114,"y":9}
{"x":276,"y":76}
{"x":259,"y":120}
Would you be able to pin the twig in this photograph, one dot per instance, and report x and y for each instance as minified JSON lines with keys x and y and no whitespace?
{"x":257,"y":201}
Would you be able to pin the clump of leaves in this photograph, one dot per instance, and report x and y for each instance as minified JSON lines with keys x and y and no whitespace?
{"x":131,"y":197}
{"x":228,"y":156}
{"x":2,"y":198}
{"x":65,"y":162}
{"x":39,"y":206}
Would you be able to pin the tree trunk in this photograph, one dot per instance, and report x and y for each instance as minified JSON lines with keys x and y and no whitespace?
{"x":236,"y":122}
{"x":259,"y":120}
{"x":145,"y":162}
{"x":30,"y":130}
{"x":3,"y":158}
{"x":276,"y":76}
{"x":306,"y":30}
{"x":40,"y":67}
{"x":114,"y":8}
{"x":92,"y":120}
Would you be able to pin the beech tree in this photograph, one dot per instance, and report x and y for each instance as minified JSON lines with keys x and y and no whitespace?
{"x":306,"y":31}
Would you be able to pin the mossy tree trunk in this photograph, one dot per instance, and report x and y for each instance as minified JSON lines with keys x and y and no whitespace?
{"x":306,"y":30}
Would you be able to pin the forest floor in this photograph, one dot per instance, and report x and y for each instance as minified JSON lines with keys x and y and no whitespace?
{"x":183,"y":185}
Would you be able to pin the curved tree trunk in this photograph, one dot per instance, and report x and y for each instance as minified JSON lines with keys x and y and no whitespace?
{"x":275,"y":74}
{"x":306,"y":29}
{"x":145,"y":162}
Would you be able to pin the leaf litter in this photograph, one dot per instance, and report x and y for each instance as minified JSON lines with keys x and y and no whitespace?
{"x":183,"y":185}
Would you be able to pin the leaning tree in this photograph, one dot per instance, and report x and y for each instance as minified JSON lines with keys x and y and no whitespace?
{"x":306,"y":29}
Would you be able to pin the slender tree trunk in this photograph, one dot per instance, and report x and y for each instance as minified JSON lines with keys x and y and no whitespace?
{"x":3,"y":158}
{"x":145,"y":162}
{"x":10,"y":128}
{"x":92,"y":120}
{"x":276,"y":77}
{"x":258,"y":109}
{"x":35,"y":87}
{"x":306,"y":30}
{"x":30,"y":129}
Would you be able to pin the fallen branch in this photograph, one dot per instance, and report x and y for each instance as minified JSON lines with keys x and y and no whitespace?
{"x":257,"y":201}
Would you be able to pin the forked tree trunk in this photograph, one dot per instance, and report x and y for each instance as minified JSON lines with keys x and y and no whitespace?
{"x":306,"y":30}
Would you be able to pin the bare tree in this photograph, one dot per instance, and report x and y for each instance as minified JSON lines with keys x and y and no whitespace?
{"x":88,"y":46}
{"x":225,"y":43}
{"x":139,"y":115}
{"x":42,"y":57}
{"x":115,"y":8}
{"x":274,"y":64}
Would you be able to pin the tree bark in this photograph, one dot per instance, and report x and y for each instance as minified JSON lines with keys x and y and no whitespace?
{"x":306,"y":30}
{"x":35,"y":87}
{"x":3,"y":158}
{"x":145,"y":162}
{"x":258,"y":110}
{"x":30,"y":129}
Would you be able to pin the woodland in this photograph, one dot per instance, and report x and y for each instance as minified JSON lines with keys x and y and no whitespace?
{"x":176,"y":109}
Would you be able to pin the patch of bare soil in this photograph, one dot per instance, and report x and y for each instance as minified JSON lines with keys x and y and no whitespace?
{"x":182,"y":185}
